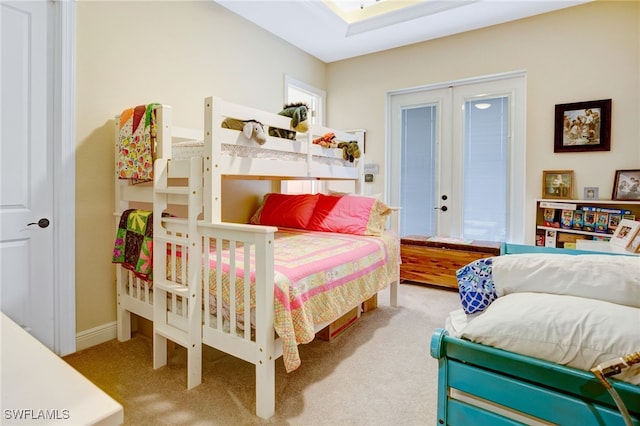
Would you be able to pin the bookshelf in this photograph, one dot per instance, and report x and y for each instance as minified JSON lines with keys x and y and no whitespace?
{"x":557,"y":224}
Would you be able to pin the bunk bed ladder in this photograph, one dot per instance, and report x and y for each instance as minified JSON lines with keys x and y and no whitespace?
{"x":177,"y":298}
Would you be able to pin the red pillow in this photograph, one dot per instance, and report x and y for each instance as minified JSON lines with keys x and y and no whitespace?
{"x":349,"y":214}
{"x":286,"y":210}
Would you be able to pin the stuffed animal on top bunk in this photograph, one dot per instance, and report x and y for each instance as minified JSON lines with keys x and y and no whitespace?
{"x":251,"y":129}
{"x":328,"y":140}
{"x":298,"y":113}
{"x":350,"y":150}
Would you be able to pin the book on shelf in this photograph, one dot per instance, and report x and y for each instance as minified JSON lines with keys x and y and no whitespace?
{"x":540,"y":240}
{"x":551,"y":217}
{"x":589,"y":221}
{"x":577,"y":220}
{"x":566,"y":219}
{"x":614,"y":221}
{"x":550,"y":238}
{"x":602,"y":220}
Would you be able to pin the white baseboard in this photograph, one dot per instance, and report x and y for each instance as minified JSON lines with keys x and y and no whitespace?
{"x":95,"y":336}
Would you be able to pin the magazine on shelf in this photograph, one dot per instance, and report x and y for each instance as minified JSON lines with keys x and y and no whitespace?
{"x":602,"y":219}
{"x":577,"y":220}
{"x":566,"y":220}
{"x":551,"y":218}
{"x":550,"y":238}
{"x":589,"y":221}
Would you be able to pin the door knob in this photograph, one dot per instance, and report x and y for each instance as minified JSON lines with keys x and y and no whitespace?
{"x":443,"y":208}
{"x":42,"y":223}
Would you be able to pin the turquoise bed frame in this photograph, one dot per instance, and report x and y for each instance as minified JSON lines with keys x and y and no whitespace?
{"x":543,"y":390}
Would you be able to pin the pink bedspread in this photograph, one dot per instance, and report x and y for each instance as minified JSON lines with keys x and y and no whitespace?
{"x":318,"y":276}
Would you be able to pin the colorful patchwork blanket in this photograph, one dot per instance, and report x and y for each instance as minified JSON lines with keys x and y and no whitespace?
{"x":133,"y":247}
{"x":318,"y":277}
{"x":136,"y":143}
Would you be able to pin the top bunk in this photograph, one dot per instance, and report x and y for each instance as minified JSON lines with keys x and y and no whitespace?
{"x":226,"y":149}
{"x":283,"y":153}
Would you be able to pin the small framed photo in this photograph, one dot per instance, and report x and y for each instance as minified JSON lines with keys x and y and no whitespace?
{"x":557,"y":184}
{"x":634,"y":245}
{"x":591,"y":193}
{"x":626,"y":232}
{"x":583,"y":126}
{"x":626,"y":185}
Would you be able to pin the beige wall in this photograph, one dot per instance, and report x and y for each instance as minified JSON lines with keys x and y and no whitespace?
{"x":176,"y":53}
{"x":583,"y":53}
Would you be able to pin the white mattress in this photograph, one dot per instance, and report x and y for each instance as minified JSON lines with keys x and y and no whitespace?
{"x":570,"y":330}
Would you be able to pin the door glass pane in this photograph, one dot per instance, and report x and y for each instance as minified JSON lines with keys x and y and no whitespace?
{"x":485,"y":169}
{"x":418,"y":171}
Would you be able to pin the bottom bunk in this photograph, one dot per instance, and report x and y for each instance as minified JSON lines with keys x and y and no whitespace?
{"x":542,"y":338}
{"x":295,"y":282}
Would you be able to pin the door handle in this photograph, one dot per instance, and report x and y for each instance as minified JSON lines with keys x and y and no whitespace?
{"x":443,"y":208}
{"x":42,"y":223}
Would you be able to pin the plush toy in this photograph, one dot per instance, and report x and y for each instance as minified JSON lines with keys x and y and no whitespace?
{"x":298,"y":113}
{"x":327,"y":140}
{"x":350,"y":150}
{"x":251,"y":129}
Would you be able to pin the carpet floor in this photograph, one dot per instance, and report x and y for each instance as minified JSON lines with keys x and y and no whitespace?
{"x":378,"y":372}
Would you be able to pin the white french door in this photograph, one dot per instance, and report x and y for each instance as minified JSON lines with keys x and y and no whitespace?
{"x":456,"y":159}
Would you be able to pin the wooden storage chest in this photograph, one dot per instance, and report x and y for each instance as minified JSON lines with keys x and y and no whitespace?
{"x":428,"y":261}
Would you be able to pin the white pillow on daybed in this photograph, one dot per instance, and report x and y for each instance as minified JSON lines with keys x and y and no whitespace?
{"x":568,"y":330}
{"x":614,"y":279}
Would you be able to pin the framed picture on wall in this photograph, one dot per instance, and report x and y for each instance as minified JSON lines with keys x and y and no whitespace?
{"x":626,"y":185}
{"x":583,"y":126}
{"x":634,"y":245}
{"x":591,"y":193}
{"x":557,"y":184}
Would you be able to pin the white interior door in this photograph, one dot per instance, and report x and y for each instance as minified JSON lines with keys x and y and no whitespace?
{"x":26,"y":200}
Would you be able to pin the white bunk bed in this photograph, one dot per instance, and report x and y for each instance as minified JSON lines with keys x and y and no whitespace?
{"x":177,"y":305}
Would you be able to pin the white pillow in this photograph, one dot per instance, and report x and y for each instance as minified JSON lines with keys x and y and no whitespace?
{"x":568,"y":330}
{"x":614,"y":279}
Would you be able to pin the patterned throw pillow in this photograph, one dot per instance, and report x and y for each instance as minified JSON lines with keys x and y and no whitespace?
{"x":475,"y":285}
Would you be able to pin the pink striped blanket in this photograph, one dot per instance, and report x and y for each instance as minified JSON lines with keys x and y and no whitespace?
{"x":318,"y":277}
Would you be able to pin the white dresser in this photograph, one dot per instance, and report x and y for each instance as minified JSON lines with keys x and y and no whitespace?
{"x":39,"y":388}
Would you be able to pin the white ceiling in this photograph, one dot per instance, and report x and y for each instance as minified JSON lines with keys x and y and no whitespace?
{"x":320,"y":29}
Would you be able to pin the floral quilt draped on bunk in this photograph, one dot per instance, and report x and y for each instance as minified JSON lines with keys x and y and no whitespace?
{"x":133,"y":247}
{"x":136,"y":143}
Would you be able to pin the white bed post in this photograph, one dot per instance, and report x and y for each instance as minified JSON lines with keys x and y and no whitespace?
{"x":195,"y":282}
{"x":163,"y":132}
{"x":394,"y":287}
{"x":359,"y":184}
{"x":123,"y":316}
{"x":265,"y":360}
{"x":212,"y":151}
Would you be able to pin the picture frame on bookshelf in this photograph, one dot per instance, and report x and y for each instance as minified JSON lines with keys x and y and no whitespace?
{"x":634,"y":245}
{"x":626,"y":185}
{"x":583,"y":126}
{"x":626,"y":231}
{"x":591,"y":193}
{"x":557,"y":184}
